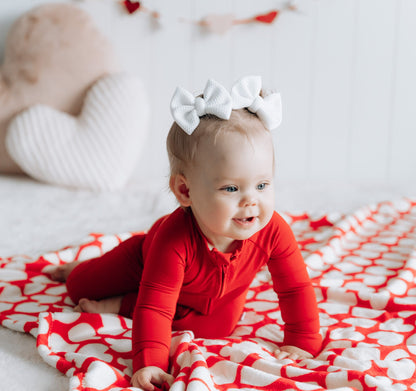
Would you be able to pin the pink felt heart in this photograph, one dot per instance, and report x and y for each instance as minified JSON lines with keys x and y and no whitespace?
{"x":218,"y":24}
{"x":97,"y":149}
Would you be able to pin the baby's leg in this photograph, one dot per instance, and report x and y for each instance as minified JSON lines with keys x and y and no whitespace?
{"x":116,"y":273}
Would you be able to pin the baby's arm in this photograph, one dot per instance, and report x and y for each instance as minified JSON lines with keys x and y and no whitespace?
{"x":296,"y":296}
{"x":160,"y":286}
{"x":299,"y":312}
{"x":147,"y":377}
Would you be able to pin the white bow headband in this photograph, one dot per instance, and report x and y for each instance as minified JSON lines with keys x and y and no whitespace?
{"x":187,"y":109}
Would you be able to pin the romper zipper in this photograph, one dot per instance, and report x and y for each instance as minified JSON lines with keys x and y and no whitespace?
{"x":222,"y":282}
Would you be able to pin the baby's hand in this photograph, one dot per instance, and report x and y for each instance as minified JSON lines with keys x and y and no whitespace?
{"x":146,"y":377}
{"x":292,"y":352}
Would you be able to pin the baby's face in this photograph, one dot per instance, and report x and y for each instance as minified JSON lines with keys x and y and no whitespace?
{"x":231,"y":187}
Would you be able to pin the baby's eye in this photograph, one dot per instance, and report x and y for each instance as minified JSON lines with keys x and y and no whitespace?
{"x":261,"y":186}
{"x":230,"y":189}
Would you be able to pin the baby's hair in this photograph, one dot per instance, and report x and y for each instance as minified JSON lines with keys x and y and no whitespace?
{"x":182,"y":148}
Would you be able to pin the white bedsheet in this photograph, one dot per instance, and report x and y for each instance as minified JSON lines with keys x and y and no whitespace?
{"x":37,"y":218}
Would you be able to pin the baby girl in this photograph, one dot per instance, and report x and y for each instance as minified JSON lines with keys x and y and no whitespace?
{"x":193,"y":268}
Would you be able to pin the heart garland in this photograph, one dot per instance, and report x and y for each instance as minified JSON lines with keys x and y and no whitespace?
{"x":215,"y":23}
{"x":220,"y":24}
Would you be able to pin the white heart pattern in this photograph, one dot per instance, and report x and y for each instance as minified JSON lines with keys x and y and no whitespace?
{"x":96,"y":150}
{"x":369,"y":331}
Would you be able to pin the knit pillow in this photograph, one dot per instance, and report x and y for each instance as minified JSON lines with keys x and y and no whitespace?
{"x":97,"y":149}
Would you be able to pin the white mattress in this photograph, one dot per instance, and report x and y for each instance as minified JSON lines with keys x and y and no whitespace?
{"x":37,"y":218}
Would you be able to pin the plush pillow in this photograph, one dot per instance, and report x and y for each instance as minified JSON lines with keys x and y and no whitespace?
{"x":53,"y":55}
{"x":97,"y":149}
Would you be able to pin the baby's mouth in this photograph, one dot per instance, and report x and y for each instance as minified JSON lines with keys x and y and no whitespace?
{"x":245,"y":220}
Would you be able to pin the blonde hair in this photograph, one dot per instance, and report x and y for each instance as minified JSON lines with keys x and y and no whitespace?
{"x":182,"y":148}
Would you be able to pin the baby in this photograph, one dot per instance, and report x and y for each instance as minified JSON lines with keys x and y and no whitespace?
{"x":193,"y":268}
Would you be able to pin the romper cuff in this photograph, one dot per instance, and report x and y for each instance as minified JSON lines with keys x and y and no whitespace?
{"x":158,"y":357}
{"x":312,"y":342}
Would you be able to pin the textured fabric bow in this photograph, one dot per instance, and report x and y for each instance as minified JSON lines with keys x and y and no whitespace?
{"x":246,"y":93}
{"x":186,"y":109}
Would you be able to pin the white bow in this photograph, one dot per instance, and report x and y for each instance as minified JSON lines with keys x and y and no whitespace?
{"x":246,"y":93}
{"x":186,"y":109}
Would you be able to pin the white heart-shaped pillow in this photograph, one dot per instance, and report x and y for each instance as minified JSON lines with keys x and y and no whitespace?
{"x":97,"y":150}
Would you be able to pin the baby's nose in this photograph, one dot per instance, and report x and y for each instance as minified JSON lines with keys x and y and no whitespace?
{"x":248,"y":200}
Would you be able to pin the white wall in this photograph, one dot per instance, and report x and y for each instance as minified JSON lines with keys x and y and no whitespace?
{"x":346,"y":70}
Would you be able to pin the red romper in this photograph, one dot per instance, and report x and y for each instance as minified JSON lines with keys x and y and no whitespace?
{"x":183,"y":285}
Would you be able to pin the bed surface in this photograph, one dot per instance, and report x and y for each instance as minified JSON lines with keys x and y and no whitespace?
{"x":37,"y":218}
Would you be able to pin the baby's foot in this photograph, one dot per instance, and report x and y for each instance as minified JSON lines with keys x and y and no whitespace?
{"x":111,"y":305}
{"x":61,"y":272}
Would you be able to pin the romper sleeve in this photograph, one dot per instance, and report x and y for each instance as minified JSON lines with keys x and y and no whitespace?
{"x":295,"y":291}
{"x":162,"y":279}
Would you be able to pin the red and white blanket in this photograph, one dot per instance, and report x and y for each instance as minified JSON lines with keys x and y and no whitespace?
{"x":363,"y":267}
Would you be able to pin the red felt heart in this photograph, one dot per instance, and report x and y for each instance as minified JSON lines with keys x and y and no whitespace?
{"x":131,"y":6}
{"x":267,"y":18}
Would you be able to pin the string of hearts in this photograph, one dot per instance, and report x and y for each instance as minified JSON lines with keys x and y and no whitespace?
{"x":214,"y":23}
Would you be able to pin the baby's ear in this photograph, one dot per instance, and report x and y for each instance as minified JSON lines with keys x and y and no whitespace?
{"x":179,"y":186}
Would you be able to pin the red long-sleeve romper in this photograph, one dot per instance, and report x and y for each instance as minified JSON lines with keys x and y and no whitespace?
{"x":182,"y":284}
